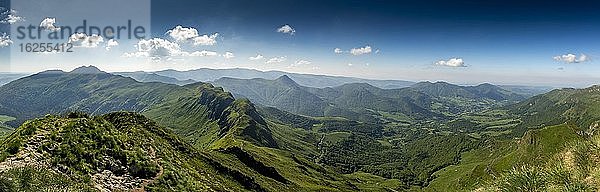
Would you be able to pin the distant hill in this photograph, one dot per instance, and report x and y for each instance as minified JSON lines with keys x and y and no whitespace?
{"x":486,"y":91}
{"x":319,"y":81}
{"x":282,"y":92}
{"x":8,"y":77}
{"x":152,"y":77}
{"x":357,"y":100}
{"x":577,"y":106}
{"x":528,"y":91}
{"x":351,"y":100}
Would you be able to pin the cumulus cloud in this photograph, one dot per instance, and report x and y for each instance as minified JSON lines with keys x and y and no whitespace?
{"x":49,"y":24}
{"x":361,"y":50}
{"x":159,"y":49}
{"x":300,"y":63}
{"x":350,"y":64}
{"x":10,"y":17}
{"x":111,"y":43}
{"x":206,"y":39}
{"x":338,"y":50}
{"x":182,"y":34}
{"x":276,"y":60}
{"x":287,"y":29}
{"x":5,"y":40}
{"x":453,"y":62}
{"x":257,"y":57}
{"x":228,"y":55}
{"x":572,"y":58}
{"x":83,"y":40}
{"x":203,"y":53}
{"x":156,"y":49}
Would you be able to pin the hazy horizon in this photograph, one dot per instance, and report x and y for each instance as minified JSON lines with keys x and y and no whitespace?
{"x":500,"y":42}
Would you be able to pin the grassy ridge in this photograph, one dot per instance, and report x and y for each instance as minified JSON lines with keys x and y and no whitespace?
{"x":479,"y":166}
{"x":127,"y":145}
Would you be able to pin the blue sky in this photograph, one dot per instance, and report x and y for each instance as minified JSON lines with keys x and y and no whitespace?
{"x":466,"y":42}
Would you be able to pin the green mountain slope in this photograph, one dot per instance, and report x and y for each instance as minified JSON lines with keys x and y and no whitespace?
{"x":482,"y":91}
{"x":555,"y":149}
{"x":89,"y":90}
{"x":233,"y":139}
{"x":579,"y":106}
{"x":53,"y":92}
{"x":116,"y":151}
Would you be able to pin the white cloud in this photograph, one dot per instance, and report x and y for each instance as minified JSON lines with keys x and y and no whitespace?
{"x":156,"y":49}
{"x":350,"y":64}
{"x":300,"y":63}
{"x":572,"y":58}
{"x":5,"y":40}
{"x":11,"y":17}
{"x":83,"y":40}
{"x":203,"y":53}
{"x":181,"y":34}
{"x":111,"y":43}
{"x":453,"y":62}
{"x":361,"y":50}
{"x":276,"y":60}
{"x":206,"y":39}
{"x":48,"y":24}
{"x":257,"y":57}
{"x":228,"y":55}
{"x":286,"y":29}
{"x":159,"y":49}
{"x":338,"y":50}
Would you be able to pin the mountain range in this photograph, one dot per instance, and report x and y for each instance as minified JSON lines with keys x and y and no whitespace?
{"x":320,"y":81}
{"x":88,"y":130}
{"x":356,"y":100}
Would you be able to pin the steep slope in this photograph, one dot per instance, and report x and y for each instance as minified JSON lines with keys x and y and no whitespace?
{"x":221,"y":115}
{"x":116,"y":151}
{"x":580,"y":106}
{"x":557,"y":148}
{"x":495,"y":158}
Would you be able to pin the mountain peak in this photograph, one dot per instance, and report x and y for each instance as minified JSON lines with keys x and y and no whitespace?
{"x":87,"y":70}
{"x":286,"y":80}
{"x":429,"y":83}
{"x":487,"y":85}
